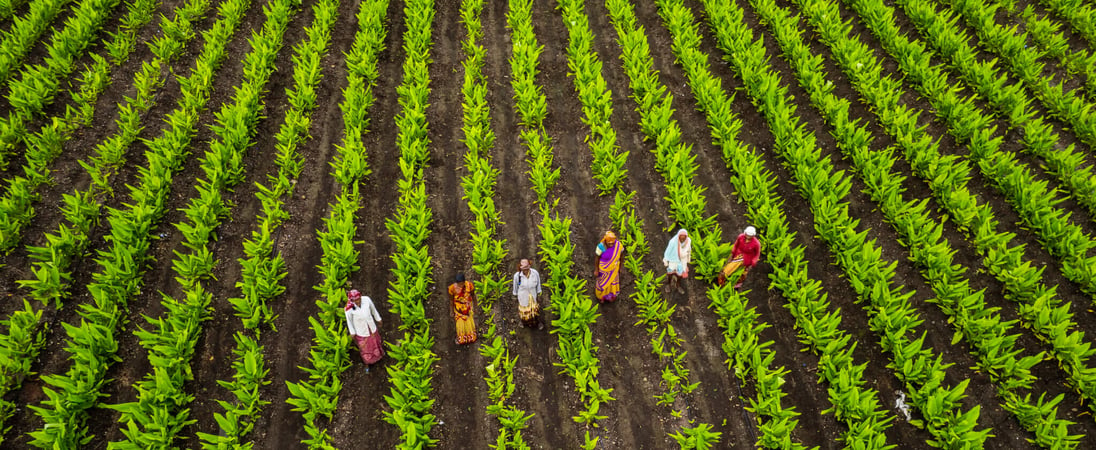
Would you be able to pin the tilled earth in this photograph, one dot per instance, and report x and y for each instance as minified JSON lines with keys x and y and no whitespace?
{"x":627,"y":363}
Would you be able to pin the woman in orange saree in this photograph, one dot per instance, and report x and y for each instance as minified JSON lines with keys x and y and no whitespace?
{"x":462,"y":301}
{"x":608,"y":268}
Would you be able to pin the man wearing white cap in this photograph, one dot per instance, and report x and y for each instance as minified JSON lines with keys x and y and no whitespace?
{"x":526,"y":288}
{"x":746,"y":252}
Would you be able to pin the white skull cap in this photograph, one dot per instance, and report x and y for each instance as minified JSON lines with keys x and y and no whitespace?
{"x":751,"y":231}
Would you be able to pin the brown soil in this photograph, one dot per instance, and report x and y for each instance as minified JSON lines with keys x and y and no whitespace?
{"x":627,"y":364}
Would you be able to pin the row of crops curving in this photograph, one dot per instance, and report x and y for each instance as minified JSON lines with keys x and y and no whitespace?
{"x":189,"y":188}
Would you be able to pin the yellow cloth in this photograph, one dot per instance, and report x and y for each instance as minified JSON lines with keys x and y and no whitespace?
{"x":466,"y":330}
{"x":731,"y":267}
{"x":463,"y":312}
{"x":530,"y":312}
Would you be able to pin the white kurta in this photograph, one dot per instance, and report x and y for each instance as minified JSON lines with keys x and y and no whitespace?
{"x":526,"y":286}
{"x":362,"y":320}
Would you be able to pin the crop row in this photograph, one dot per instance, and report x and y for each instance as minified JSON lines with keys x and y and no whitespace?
{"x":51,"y":276}
{"x":318,"y":396}
{"x":1067,"y":164}
{"x":750,"y":358}
{"x":45,"y":146}
{"x":576,"y":310}
{"x":654,"y":310}
{"x":487,"y":252}
{"x":8,"y":8}
{"x":531,"y":103}
{"x":413,"y":355}
{"x":978,"y":323}
{"x":675,"y":162}
{"x":24,"y":33}
{"x":1046,"y":35}
{"x":1080,"y":14}
{"x":947,"y":176}
{"x":37,"y":85}
{"x":1012,"y":45}
{"x":93,"y":343}
{"x":819,"y":328}
{"x":596,"y":98}
{"x":68,"y":242}
{"x":20,"y":344}
{"x":894,"y":316}
{"x":479,"y":183}
{"x":159,"y":412}
{"x":1069,"y":348}
{"x":1029,"y":197}
{"x":262,"y":270}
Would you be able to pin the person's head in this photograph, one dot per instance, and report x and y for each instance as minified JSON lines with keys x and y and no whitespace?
{"x":354,"y":296}
{"x":459,"y":279}
{"x":750,"y":232}
{"x":609,"y":238}
{"x":524,"y":265}
{"x":682,"y":235}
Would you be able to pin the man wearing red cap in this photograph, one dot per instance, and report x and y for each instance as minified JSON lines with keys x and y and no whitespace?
{"x":364,"y":321}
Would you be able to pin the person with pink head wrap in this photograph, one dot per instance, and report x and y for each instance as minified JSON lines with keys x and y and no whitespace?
{"x":363,"y":321}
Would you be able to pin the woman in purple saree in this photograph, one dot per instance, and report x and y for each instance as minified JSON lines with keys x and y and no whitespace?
{"x":608,"y":268}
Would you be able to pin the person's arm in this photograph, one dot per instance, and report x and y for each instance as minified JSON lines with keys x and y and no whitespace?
{"x":516,"y":283}
{"x":597,"y":259}
{"x":373,"y":310}
{"x":350,"y":322}
{"x":537,"y":274}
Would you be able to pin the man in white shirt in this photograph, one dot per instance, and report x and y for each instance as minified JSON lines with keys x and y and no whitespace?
{"x":526,"y":289}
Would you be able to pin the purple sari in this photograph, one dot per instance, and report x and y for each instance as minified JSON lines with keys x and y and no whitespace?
{"x":608,"y":271}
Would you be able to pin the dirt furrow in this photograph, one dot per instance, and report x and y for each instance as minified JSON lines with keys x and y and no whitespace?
{"x":361,"y":400}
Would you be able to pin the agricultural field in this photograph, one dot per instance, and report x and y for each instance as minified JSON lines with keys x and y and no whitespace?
{"x":188,"y":188}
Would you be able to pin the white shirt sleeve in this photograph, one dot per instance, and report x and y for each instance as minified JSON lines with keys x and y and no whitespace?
{"x":372,"y":309}
{"x":517,"y":282}
{"x":350,"y":322}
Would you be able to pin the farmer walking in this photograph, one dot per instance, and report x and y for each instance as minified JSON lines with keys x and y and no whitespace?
{"x":364,"y":322}
{"x":462,"y":301}
{"x":676,"y":257}
{"x":526,"y":289}
{"x":608,"y":268}
{"x":746,"y":252}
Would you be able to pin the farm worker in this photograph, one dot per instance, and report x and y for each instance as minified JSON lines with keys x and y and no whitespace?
{"x":676,"y":257}
{"x":462,"y":301}
{"x":526,"y":288}
{"x":608,"y":267}
{"x":364,"y":321}
{"x":746,"y":252}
